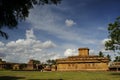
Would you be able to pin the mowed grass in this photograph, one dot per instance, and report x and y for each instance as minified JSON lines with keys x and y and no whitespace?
{"x":36,"y":75}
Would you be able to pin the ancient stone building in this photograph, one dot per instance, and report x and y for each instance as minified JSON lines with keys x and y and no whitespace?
{"x":31,"y":65}
{"x":114,"y":66}
{"x":19,"y":66}
{"x":34,"y":65}
{"x":83,"y":61}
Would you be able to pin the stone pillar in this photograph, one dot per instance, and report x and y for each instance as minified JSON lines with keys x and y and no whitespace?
{"x":83,"y":52}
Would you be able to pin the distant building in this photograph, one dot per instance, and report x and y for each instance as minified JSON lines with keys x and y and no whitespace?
{"x":114,"y":66}
{"x":34,"y":65}
{"x":16,"y":67}
{"x":31,"y":65}
{"x":83,"y":61}
{"x":2,"y":64}
{"x":5,"y":65}
{"x":19,"y":66}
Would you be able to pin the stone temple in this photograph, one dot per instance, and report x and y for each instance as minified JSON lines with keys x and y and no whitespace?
{"x":83,"y":61}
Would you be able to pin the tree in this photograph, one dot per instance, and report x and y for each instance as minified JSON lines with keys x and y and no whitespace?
{"x":101,"y":54}
{"x":114,"y":36}
{"x":13,"y":11}
{"x":36,"y":62}
{"x":117,"y":59}
{"x":51,"y":62}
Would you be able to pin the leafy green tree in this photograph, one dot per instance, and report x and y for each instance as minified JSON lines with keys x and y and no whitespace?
{"x":51,"y":62}
{"x":101,"y":54}
{"x":114,"y":36}
{"x":109,"y":57}
{"x":13,"y":11}
{"x":117,"y":59}
{"x":37,"y":62}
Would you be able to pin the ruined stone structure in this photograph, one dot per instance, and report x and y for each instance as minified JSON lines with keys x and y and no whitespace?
{"x":16,"y":67}
{"x":114,"y":66}
{"x":34,"y":65}
{"x":31,"y":65}
{"x":19,"y":66}
{"x":5,"y":65}
{"x":2,"y":64}
{"x":83,"y":61}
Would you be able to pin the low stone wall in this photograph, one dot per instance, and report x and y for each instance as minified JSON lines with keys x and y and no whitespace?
{"x":83,"y":66}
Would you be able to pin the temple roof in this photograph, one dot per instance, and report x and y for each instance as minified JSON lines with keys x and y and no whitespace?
{"x":81,"y":59}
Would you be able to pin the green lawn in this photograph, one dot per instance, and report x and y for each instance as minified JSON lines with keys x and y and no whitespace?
{"x":36,"y":75}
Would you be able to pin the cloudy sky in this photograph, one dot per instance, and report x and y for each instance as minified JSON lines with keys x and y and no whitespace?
{"x":52,"y":31}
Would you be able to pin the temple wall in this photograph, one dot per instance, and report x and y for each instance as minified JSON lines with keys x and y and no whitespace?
{"x":82,"y":66}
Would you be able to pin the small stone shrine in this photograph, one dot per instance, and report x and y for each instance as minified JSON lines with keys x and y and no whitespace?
{"x":31,"y":65}
{"x":114,"y":66}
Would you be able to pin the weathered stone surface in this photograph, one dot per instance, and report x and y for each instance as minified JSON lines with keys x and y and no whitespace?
{"x":82,"y":62}
{"x":31,"y":65}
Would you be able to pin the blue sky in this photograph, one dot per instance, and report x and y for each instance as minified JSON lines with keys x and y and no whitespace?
{"x":52,"y":31}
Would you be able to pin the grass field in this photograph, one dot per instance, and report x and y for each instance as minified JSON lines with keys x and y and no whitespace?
{"x":36,"y":75}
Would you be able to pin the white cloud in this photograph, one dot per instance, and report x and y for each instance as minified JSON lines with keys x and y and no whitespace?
{"x":46,"y":20}
{"x":69,"y":22}
{"x":30,"y":34}
{"x":22,"y":50}
{"x":70,"y":52}
{"x":48,"y":44}
{"x":92,"y":52}
{"x":102,"y":29}
{"x":102,"y":46}
{"x":1,"y":44}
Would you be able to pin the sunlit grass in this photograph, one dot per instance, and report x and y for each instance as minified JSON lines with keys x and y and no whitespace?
{"x":36,"y":75}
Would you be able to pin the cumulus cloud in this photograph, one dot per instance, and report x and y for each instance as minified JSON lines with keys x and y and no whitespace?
{"x":69,"y":22}
{"x":70,"y":52}
{"x":30,"y":34}
{"x":22,"y":50}
{"x":104,"y":40}
{"x":102,"y":46}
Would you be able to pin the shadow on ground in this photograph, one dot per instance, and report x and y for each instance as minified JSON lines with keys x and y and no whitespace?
{"x":10,"y":78}
{"x":117,"y":73}
{"x":45,"y":79}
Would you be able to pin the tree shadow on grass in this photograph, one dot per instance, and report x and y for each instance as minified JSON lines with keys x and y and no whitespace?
{"x":116,"y":75}
{"x":10,"y":78}
{"x":45,"y":79}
